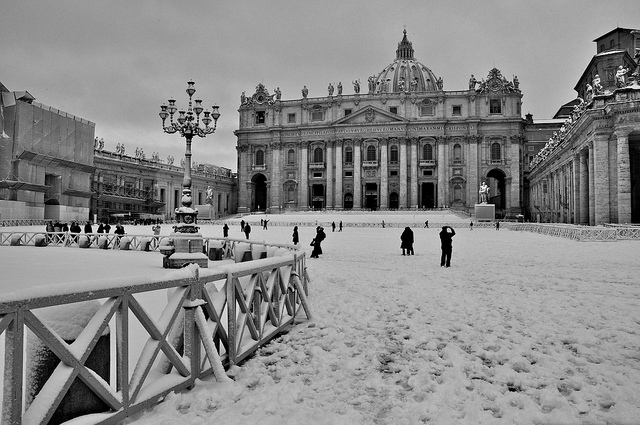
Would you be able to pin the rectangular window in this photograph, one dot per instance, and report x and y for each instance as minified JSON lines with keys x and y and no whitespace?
{"x":393,"y":173}
{"x":348,"y":173}
{"x":531,"y":148}
{"x":317,"y":116}
{"x":162,"y":194}
{"x":426,"y":110}
{"x":495,"y":106}
{"x":457,"y":110}
{"x":393,"y":109}
{"x":260,"y":116}
{"x":291,"y":118}
{"x":427,"y":172}
{"x":347,"y":112}
{"x":317,"y":174}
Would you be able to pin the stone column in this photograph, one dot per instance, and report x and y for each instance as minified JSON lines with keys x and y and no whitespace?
{"x":514,"y":203}
{"x":601,"y":178}
{"x":413,"y":181}
{"x":624,"y":177}
{"x":403,"y":174}
{"x":585,"y":187}
{"x":384,"y":174}
{"x":303,"y":186}
{"x":472,"y":176}
{"x":592,"y":190}
{"x":243,"y":178}
{"x":357,"y":174}
{"x":329,"y":189}
{"x":575,"y":182}
{"x":442,"y":168}
{"x":275,"y":200}
{"x":338,"y":187}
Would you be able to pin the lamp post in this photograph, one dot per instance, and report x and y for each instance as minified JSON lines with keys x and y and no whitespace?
{"x":189,"y":124}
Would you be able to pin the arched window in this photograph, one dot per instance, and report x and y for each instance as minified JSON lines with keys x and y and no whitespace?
{"x":427,"y":152}
{"x":291,"y":157}
{"x":457,"y":154}
{"x":371,"y":153}
{"x":291,"y":194}
{"x":393,"y":153}
{"x":318,"y":155}
{"x":496,"y":154}
{"x":348,"y":155}
{"x":260,"y":157}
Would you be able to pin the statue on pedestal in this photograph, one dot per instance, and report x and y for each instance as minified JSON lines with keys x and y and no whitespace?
{"x":484,"y":193}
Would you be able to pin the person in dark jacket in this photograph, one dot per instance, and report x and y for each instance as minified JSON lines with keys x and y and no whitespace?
{"x":317,"y":241}
{"x":106,"y":227}
{"x":100,"y":228}
{"x":225,"y":230}
{"x":296,"y":239}
{"x":247,"y":230}
{"x":87,"y":228}
{"x":407,"y":241}
{"x":242,"y":225}
{"x":446,"y":234}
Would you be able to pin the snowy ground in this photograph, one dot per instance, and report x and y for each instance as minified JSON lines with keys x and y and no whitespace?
{"x":522,"y":329}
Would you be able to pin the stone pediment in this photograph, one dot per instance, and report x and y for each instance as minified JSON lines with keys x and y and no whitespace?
{"x":371,"y":115}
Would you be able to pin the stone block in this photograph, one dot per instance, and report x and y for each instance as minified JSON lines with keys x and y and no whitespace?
{"x":486,"y":212}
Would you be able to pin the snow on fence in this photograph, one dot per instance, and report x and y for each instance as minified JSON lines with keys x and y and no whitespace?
{"x":229,"y":247}
{"x":607,"y":233}
{"x":244,"y":304}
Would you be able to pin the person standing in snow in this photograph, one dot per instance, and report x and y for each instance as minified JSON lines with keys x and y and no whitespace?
{"x":407,"y":241}
{"x":295,"y":237}
{"x":333,"y":226}
{"x":317,"y":241}
{"x":247,"y":230}
{"x":471,"y":225}
{"x":497,"y":225}
{"x":340,"y":226}
{"x":225,"y":230}
{"x":446,"y":234}
{"x":242,"y":225}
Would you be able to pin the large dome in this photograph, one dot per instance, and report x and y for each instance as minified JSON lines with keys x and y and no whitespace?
{"x":404,"y":74}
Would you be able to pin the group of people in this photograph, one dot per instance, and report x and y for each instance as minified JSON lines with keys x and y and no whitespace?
{"x":446,"y":235}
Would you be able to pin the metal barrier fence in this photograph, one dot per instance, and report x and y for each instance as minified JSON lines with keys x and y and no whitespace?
{"x":607,"y":233}
{"x":245,"y":305}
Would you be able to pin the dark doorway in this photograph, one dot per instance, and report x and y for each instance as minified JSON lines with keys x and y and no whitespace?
{"x":348,"y":201}
{"x":497,"y":194}
{"x":371,"y":196}
{"x":260,"y":192}
{"x":428,"y":195}
{"x":317,"y":196}
{"x":394,"y":201}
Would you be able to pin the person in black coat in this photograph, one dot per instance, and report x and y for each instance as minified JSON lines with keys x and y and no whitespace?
{"x":242,"y":225}
{"x":407,"y":241}
{"x":87,"y":228}
{"x":106,"y":227}
{"x":247,"y":230}
{"x":296,"y":239}
{"x":100,"y":228}
{"x":225,"y":230}
{"x":446,"y":234}
{"x":317,"y":241}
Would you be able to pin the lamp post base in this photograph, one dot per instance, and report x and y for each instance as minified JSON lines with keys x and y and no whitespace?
{"x":187,"y":248}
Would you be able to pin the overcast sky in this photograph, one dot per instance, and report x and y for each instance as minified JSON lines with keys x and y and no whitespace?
{"x":115,"y":62}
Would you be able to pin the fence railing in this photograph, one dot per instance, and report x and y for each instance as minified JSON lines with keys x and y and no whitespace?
{"x":245,"y":305}
{"x":607,"y":233}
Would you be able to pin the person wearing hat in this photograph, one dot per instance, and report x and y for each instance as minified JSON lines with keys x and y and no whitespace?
{"x":446,"y":234}
{"x":317,"y":241}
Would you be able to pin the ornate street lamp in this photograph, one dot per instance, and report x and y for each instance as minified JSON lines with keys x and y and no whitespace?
{"x":189,"y":124}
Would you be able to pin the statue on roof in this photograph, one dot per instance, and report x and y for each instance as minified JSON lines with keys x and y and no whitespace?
{"x":339,"y":88}
{"x":278,"y":93}
{"x":356,"y":86}
{"x":372,"y":84}
{"x":597,"y":87}
{"x":440,"y":83}
{"x":330,"y":89}
{"x":305,"y":92}
{"x":472,"y":82}
{"x":413,"y":85}
{"x":621,"y":76}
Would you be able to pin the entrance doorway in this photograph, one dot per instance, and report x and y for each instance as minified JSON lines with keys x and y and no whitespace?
{"x":371,"y":196}
{"x":259,"y":192}
{"x":348,"y":201}
{"x":428,"y":195}
{"x":498,"y":194}
{"x":394,"y":201}
{"x":317,"y":196}
{"x":634,"y":169}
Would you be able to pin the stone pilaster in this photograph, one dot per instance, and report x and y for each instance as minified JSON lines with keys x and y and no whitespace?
{"x":244,"y":186}
{"x":472,"y":173}
{"x":575,"y":182}
{"x":592,"y":189}
{"x":303,"y":187}
{"x":384,"y":174}
{"x":276,"y":177}
{"x":403,"y":174}
{"x":413,"y":181}
{"x":624,"y":177}
{"x":442,"y":169}
{"x":329,"y":191}
{"x":513,"y":204}
{"x":338,"y":187}
{"x":357,"y":174}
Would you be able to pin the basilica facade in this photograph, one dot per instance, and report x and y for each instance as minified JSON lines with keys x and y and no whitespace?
{"x":403,"y":143}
